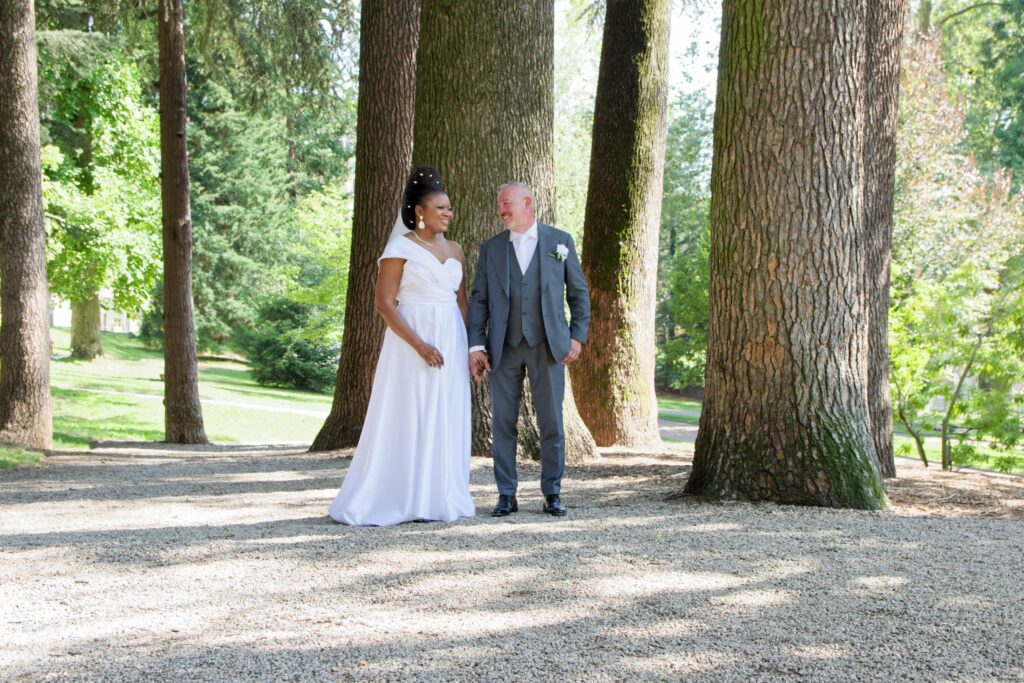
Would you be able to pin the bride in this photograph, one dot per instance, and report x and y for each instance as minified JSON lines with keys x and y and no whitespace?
{"x":412,"y":460}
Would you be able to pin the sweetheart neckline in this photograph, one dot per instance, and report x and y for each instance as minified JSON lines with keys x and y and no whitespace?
{"x":432,"y":257}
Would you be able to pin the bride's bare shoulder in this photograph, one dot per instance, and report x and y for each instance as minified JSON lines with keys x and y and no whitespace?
{"x":455,"y":250}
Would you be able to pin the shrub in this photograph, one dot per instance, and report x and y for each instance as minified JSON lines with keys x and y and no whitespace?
{"x":280,"y":354}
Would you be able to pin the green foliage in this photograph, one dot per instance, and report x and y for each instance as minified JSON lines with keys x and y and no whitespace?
{"x":264,"y":225}
{"x":577,"y":57}
{"x":683,"y":278}
{"x":279,"y":353}
{"x":269,"y":49}
{"x":983,"y":49}
{"x":242,"y":211}
{"x":964,"y":454}
{"x":957,"y":307}
{"x":271,"y":120}
{"x":100,"y":181}
{"x":319,"y":262}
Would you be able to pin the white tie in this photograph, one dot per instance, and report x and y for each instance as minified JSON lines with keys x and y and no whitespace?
{"x":521,"y":244}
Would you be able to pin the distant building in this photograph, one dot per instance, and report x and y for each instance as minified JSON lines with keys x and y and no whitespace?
{"x":110,"y":321}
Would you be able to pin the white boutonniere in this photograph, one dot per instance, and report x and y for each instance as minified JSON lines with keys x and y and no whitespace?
{"x":560,"y":253}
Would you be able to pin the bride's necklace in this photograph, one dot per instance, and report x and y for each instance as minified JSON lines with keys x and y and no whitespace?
{"x":429,"y":244}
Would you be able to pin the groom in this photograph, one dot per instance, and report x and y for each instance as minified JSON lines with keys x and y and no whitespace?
{"x":517,"y":327}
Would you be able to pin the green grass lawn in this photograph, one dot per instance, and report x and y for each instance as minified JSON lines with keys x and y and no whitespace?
{"x":675,"y":403}
{"x":119,"y":397}
{"x":985,"y":459}
{"x":675,"y":417}
{"x":12,"y":456}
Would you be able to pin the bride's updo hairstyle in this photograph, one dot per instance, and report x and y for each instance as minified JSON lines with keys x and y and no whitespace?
{"x":423,"y":182}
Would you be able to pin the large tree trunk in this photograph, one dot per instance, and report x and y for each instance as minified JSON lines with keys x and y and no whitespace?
{"x":923,"y":20}
{"x":86,"y":342}
{"x":26,"y":417}
{"x":485,"y":116}
{"x":886,"y":19}
{"x":615,"y":376}
{"x":183,"y":416}
{"x":387,"y":95}
{"x":785,"y":413}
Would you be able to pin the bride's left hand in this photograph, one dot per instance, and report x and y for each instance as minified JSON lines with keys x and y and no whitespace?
{"x":430,"y":355}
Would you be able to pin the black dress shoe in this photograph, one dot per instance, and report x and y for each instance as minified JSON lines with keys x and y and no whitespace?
{"x":505,"y":507}
{"x":553,"y":505}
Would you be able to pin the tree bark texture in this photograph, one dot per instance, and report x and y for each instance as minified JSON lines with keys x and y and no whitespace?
{"x":485,"y":116}
{"x":26,"y":416}
{"x":620,"y":237}
{"x":86,"y":341}
{"x":785,"y":415}
{"x":886,"y":19}
{"x":183,"y":415}
{"x":388,"y":35}
{"x":923,"y":20}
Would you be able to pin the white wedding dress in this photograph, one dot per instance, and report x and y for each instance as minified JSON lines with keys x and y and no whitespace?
{"x":412,"y":461}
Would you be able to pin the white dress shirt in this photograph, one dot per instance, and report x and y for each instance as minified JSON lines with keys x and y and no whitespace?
{"x":525,"y":245}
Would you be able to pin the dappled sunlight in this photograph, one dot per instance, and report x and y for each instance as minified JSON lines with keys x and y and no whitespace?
{"x":280,"y":475}
{"x":879,"y":583}
{"x":152,"y":556}
{"x":968,"y":600}
{"x":823,"y":651}
{"x":624,"y":587}
{"x":784,"y":568}
{"x":666,"y":628}
{"x":712,"y":527}
{"x":752,"y":599}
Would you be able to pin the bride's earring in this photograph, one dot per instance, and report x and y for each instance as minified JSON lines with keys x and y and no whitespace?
{"x":422,"y":224}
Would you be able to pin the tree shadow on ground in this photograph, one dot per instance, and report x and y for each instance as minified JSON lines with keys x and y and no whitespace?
{"x":630,"y":585}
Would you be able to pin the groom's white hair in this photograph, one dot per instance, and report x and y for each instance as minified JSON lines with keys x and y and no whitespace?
{"x":527,"y":190}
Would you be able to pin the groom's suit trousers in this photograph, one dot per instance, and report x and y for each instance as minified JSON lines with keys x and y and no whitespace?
{"x":547,"y":383}
{"x":526,"y":353}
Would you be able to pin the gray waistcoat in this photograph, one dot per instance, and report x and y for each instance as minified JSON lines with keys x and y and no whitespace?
{"x":524,"y":314}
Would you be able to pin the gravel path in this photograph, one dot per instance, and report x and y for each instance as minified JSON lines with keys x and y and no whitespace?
{"x":155,"y":563}
{"x":677,"y":431}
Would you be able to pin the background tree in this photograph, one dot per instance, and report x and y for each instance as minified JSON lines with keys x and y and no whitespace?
{"x":263,"y":137}
{"x":101,"y":188}
{"x":885,"y":20}
{"x":785,"y":416}
{"x":682,"y":314}
{"x":243,"y":209}
{"x":469,"y":53}
{"x":26,"y":416}
{"x":620,"y":237}
{"x":271,"y":111}
{"x":578,"y":31}
{"x":983,"y":49}
{"x":957,"y":314}
{"x":183,"y":417}
{"x":387,"y":92}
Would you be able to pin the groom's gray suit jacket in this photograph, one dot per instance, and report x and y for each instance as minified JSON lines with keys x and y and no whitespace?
{"x":560,"y":281}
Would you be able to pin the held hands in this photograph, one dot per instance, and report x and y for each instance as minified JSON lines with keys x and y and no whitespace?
{"x":430,"y":355}
{"x":478,"y":363}
{"x":575,"y":347}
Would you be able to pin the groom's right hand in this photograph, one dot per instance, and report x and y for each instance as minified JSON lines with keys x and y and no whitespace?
{"x":478,"y":363}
